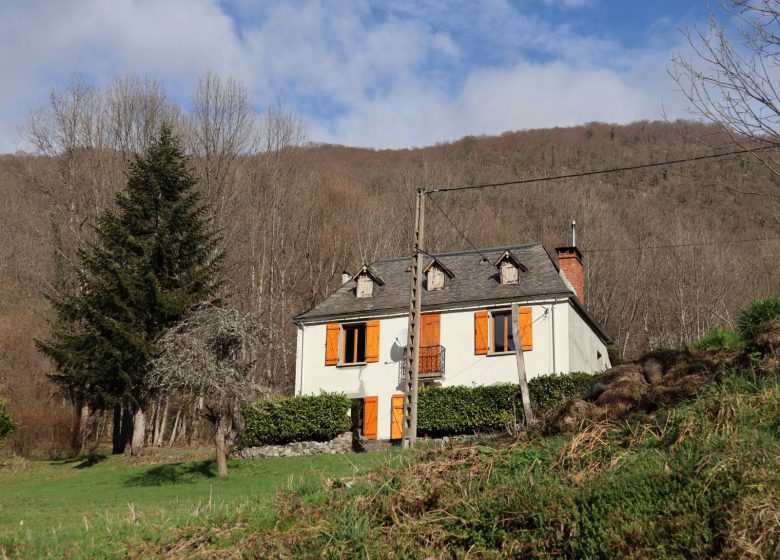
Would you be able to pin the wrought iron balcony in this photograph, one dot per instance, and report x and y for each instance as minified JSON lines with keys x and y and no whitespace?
{"x":431,"y":363}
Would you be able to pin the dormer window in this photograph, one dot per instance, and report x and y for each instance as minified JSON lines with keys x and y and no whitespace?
{"x":436,"y":275}
{"x":365,"y":279}
{"x":509,"y":268}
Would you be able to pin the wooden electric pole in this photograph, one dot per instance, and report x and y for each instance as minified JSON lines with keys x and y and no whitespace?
{"x":412,"y":369}
{"x":517,"y":334}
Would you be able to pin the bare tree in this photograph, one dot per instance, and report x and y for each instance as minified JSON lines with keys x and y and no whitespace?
{"x":732,"y":77}
{"x":212,"y":354}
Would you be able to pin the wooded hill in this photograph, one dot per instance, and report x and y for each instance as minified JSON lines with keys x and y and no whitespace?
{"x":666,"y":250}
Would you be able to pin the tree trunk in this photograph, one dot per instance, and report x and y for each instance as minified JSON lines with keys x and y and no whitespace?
{"x":161,"y":424}
{"x":118,"y":439}
{"x":221,"y":445}
{"x":174,"y":433}
{"x":139,"y":431}
{"x":80,"y":425}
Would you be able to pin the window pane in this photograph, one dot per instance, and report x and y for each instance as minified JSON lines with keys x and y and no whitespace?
{"x":354,"y":344}
{"x":349,"y":344}
{"x":361,"y":342}
{"x":509,"y":333}
{"x":498,"y":332}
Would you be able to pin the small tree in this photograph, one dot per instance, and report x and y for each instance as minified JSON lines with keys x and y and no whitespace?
{"x":7,"y":424}
{"x":211,"y":354}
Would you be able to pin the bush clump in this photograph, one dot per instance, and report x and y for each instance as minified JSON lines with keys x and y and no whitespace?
{"x":289,"y":419}
{"x":757,"y":314}
{"x":443,"y":411}
{"x":7,"y":424}
{"x":719,"y":338}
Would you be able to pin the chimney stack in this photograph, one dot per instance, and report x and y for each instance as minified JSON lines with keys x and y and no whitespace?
{"x":345,"y":277}
{"x":570,"y":264}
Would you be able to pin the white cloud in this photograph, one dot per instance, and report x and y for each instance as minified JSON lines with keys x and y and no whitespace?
{"x":410,"y":76}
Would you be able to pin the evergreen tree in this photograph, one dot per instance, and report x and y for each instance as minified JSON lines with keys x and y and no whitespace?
{"x":154,"y":259}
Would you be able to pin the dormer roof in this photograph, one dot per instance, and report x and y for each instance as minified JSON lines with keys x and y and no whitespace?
{"x":371,"y":273}
{"x":441,"y":265}
{"x":507,"y":255}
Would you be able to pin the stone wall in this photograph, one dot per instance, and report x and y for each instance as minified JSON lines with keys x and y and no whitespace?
{"x":340,"y":444}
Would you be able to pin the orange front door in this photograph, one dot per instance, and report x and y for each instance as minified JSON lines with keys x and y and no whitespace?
{"x":397,"y":417}
{"x":370,"y":414}
{"x":430,"y":339}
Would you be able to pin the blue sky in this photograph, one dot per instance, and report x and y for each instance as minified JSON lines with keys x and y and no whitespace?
{"x":380,"y":74}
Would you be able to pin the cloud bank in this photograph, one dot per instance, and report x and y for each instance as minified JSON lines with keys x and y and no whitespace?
{"x":359,"y":73}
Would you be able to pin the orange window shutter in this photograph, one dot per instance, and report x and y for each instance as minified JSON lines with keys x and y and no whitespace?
{"x":481,"y":332}
{"x":370,"y":414}
{"x":397,"y":417}
{"x":332,"y":345}
{"x":372,"y":341}
{"x":526,"y":328}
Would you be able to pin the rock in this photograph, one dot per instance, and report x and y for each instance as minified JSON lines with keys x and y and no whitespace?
{"x":653,"y":370}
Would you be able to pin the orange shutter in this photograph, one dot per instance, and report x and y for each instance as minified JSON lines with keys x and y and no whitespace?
{"x":481,"y":332}
{"x":526,"y":328}
{"x":370,"y":413}
{"x":332,"y":345}
{"x":397,"y":417}
{"x":372,"y":341}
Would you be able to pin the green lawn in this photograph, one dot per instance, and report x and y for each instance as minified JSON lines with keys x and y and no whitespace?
{"x":107,"y":506}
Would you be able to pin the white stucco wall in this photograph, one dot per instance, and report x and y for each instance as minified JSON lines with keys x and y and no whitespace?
{"x":553,"y":327}
{"x":586,"y":351}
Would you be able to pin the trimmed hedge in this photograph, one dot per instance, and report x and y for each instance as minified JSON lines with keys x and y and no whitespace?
{"x":289,"y":419}
{"x":443,"y":411}
{"x":7,"y":424}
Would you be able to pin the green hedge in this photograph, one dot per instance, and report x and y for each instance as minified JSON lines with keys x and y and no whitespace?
{"x":286,"y":420}
{"x":445,"y":411}
{"x":6,"y":422}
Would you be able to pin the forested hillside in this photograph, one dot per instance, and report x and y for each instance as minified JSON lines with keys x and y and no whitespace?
{"x":667,"y":255}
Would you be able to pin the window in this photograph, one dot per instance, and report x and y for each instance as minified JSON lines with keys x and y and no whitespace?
{"x":354,"y":347}
{"x":493,"y":331}
{"x":502,"y":339}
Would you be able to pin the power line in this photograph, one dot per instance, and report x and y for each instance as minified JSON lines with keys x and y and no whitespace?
{"x":463,"y":235}
{"x":599,"y":171}
{"x":641,"y":248}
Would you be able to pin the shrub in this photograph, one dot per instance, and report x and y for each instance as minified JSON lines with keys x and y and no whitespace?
{"x":459,"y":410}
{"x":549,"y":391}
{"x":757,"y":314}
{"x":289,"y":419}
{"x":719,"y":338}
{"x":445,"y":411}
{"x":6,"y":422}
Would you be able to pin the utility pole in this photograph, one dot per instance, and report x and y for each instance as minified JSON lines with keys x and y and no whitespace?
{"x":517,"y":334}
{"x":412,"y":357}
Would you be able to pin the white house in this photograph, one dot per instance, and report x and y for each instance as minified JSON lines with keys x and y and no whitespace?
{"x":353,"y":342}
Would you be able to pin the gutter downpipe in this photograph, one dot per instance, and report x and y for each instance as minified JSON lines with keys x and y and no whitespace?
{"x":303,"y":332}
{"x":552,"y":320}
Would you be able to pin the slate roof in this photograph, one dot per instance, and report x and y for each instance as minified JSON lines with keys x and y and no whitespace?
{"x":474,"y":282}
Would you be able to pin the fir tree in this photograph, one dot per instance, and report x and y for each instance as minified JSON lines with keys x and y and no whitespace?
{"x":154,"y":258}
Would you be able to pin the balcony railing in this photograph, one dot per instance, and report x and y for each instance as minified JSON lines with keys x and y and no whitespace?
{"x":432,"y":359}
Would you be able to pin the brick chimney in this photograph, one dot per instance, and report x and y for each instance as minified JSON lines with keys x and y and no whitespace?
{"x":570,"y":264}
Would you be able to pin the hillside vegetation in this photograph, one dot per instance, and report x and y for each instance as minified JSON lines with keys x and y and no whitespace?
{"x":295,"y":215}
{"x":696,"y":480}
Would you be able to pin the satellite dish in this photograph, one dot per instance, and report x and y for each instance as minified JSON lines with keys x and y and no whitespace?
{"x":401,"y":338}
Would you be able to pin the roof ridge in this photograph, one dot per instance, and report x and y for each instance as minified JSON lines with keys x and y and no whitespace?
{"x":465,"y":252}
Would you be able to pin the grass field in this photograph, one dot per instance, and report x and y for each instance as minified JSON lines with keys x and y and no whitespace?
{"x":112,"y":506}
